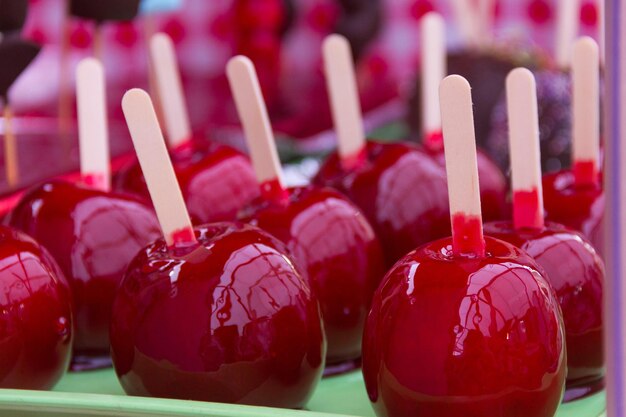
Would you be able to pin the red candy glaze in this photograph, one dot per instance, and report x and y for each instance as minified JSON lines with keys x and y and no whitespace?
{"x":401,"y":191}
{"x":228,"y":320}
{"x":580,"y":207}
{"x":93,"y":235}
{"x":585,"y":173}
{"x":576,"y":273}
{"x":35,"y":315}
{"x":460,"y":336}
{"x":216,"y":180}
{"x":493,"y":185}
{"x":467,"y":235}
{"x":331,"y":239}
{"x":527,"y":210}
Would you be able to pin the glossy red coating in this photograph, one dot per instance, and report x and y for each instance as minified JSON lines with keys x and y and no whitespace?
{"x":527,"y":209}
{"x":401,"y":191}
{"x":585,"y":173}
{"x":228,"y":320}
{"x":35,"y":315}
{"x":580,"y":207}
{"x":467,"y":235}
{"x":576,"y":273}
{"x":333,"y":242}
{"x":493,"y":185}
{"x":93,"y":236}
{"x":216,"y":180}
{"x":458,"y":336}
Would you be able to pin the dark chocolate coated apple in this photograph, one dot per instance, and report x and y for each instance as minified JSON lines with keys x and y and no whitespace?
{"x":401,"y":191}
{"x":465,"y":336}
{"x":35,"y":315}
{"x":333,"y":242}
{"x":229,"y":319}
{"x":576,"y":272}
{"x":216,"y":180}
{"x":93,"y":235}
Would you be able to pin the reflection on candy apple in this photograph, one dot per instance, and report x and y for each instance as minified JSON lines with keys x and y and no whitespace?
{"x":35,"y":315}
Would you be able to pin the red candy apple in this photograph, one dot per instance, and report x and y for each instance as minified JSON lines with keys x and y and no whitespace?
{"x":575,"y":197}
{"x":93,"y":235}
{"x":493,"y":187}
{"x":35,"y":315}
{"x":573,"y":268}
{"x":327,"y":235}
{"x":464,"y":325}
{"x":216,"y":179}
{"x":217,"y":313}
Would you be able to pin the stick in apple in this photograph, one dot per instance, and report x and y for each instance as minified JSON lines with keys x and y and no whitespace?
{"x":521,"y":95}
{"x":157,"y":168}
{"x":344,"y":99}
{"x":461,"y":166}
{"x":257,"y":129}
{"x":10,"y":148}
{"x":566,"y":30}
{"x":586,"y":111}
{"x":170,"y":90}
{"x":433,"y":70}
{"x":93,"y":133}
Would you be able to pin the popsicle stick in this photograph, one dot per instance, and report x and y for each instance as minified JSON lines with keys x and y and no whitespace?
{"x":433,"y":71}
{"x":567,"y":26}
{"x":486,"y":12}
{"x":10,"y":148}
{"x":65,"y":95}
{"x":98,"y":42}
{"x":244,"y":85}
{"x":461,"y":166}
{"x":344,"y":99}
{"x":170,"y":89}
{"x":586,"y":111}
{"x":157,"y":168}
{"x":468,"y":21}
{"x":93,"y":135}
{"x":521,"y":97}
{"x":601,"y":30}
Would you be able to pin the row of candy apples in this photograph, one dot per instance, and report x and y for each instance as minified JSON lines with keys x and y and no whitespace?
{"x":230,"y":310}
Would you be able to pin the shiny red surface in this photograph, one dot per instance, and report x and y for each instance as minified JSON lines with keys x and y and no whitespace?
{"x":93,"y":236}
{"x":401,"y":191}
{"x":580,"y":207}
{"x":216,"y":180}
{"x":493,"y":185}
{"x":576,"y":273}
{"x":228,"y":320}
{"x":527,"y":209}
{"x":467,"y":235}
{"x":331,"y":239}
{"x":460,"y":336}
{"x":35,"y":315}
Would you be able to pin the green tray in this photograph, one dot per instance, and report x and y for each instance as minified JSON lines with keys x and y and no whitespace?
{"x":97,"y":393}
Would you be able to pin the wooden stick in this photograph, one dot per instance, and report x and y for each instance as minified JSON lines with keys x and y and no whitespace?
{"x":567,"y":25}
{"x":10,"y":148}
{"x":433,"y":70}
{"x":256,"y":125}
{"x":468,"y":21}
{"x":157,"y":168}
{"x":93,"y":132}
{"x":601,"y":30}
{"x":461,"y":167}
{"x":344,"y":99}
{"x":170,"y":88}
{"x":98,"y":42}
{"x":521,"y":97}
{"x":586,"y":111}
{"x":65,"y":96}
{"x":486,"y":13}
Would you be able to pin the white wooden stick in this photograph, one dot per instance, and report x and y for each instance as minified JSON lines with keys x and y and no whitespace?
{"x":157,"y":167}
{"x":523,"y":115}
{"x":170,"y":89}
{"x":601,"y":30}
{"x":586,"y":101}
{"x":93,"y":133}
{"x":468,"y":21}
{"x":433,"y":70}
{"x":460,"y":146}
{"x":344,"y":96}
{"x":568,"y":22}
{"x":486,"y":11}
{"x":253,"y":115}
